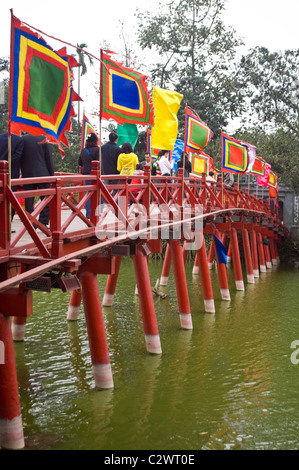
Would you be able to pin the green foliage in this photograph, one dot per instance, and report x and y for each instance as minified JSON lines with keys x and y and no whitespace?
{"x":280,"y":149}
{"x":69,"y":164}
{"x":272,"y":89}
{"x":196,"y":53}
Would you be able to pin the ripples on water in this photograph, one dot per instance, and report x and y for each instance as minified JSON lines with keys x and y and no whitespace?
{"x":228,"y":384}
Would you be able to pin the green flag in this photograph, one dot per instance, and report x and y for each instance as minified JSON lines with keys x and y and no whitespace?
{"x":127,"y":133}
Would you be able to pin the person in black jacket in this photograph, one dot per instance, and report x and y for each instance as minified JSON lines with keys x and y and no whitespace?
{"x":37,"y":161}
{"x":17,"y":145}
{"x":186,"y":165}
{"x":109,"y":155}
{"x":90,"y":152}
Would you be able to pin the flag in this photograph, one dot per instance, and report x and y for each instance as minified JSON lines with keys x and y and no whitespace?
{"x":251,"y":155}
{"x":41,"y":91}
{"x":235,"y":157}
{"x":166,"y":104}
{"x":127,"y":133}
{"x":124,"y":94}
{"x":201,"y":164}
{"x":177,"y":152}
{"x":220,"y":250}
{"x":197,"y":133}
{"x":86,"y":129}
{"x":264,"y":180}
{"x":273,"y":184}
{"x":258,"y":167}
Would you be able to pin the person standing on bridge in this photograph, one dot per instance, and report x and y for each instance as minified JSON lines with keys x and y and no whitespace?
{"x":37,"y":161}
{"x":90,"y":152}
{"x":127,"y":160}
{"x":164,"y":163}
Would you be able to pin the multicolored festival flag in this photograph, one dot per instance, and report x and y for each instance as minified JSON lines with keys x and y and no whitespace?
{"x":201,"y":164}
{"x":251,"y":155}
{"x":273,"y":184}
{"x":41,"y":91}
{"x":235,"y":156}
{"x":124,"y":93}
{"x":197,"y":133}
{"x":86,"y":129}
{"x":258,"y":167}
{"x":166,"y":104}
{"x":264,"y":180}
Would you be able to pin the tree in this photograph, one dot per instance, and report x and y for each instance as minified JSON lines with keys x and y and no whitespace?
{"x":273,"y":89}
{"x":196,"y":54}
{"x":81,"y":60}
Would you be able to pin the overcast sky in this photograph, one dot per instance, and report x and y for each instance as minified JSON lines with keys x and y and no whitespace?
{"x":269,"y":23}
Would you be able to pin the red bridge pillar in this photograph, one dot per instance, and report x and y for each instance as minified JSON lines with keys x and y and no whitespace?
{"x":255,"y":263}
{"x":181,"y":284}
{"x":166,"y":267}
{"x":236,"y":260}
{"x":11,"y":428}
{"x":152,"y":337}
{"x":205,"y":278}
{"x":111,"y":284}
{"x":248,"y":258}
{"x":261,"y":252}
{"x":74,"y":305}
{"x":222,"y":276}
{"x":96,"y":331}
{"x":211,"y":254}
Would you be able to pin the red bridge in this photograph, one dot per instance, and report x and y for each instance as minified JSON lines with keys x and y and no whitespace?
{"x":126,"y":220}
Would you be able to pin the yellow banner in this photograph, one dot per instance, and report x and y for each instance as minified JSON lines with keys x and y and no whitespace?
{"x":166,"y":104}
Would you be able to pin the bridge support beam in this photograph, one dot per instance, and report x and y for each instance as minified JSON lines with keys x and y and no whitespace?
{"x":222,"y":276}
{"x":74,"y":305}
{"x":181,"y":284}
{"x":11,"y":427}
{"x":248,"y":258}
{"x":236,"y":260}
{"x":152,"y":337}
{"x":255,"y":263}
{"x":166,"y":267}
{"x":111,"y":284}
{"x":206,"y":285}
{"x":96,"y":331}
{"x":261,"y":252}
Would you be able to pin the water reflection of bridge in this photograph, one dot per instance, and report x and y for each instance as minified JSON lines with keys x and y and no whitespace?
{"x":73,"y":250}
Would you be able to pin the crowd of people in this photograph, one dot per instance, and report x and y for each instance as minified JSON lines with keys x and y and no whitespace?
{"x":31,"y":156}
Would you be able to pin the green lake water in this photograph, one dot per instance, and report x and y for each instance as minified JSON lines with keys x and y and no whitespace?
{"x":227,"y":384}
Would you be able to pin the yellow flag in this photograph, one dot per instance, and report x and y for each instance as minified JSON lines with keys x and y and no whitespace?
{"x":165,"y":130}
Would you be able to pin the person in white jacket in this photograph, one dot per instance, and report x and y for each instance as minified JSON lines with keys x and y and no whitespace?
{"x":164,"y":163}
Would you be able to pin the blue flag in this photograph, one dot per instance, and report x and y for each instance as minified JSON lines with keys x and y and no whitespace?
{"x":176,"y":154}
{"x":220,"y":250}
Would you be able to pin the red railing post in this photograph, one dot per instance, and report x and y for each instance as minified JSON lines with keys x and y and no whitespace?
{"x":95,"y":197}
{"x":4,"y":207}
